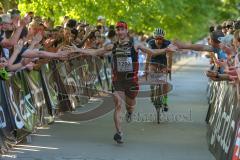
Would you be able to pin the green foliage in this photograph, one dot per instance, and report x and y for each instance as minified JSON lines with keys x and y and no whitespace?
{"x":182,"y":19}
{"x":7,"y":4}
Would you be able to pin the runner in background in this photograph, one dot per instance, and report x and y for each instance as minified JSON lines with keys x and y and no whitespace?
{"x":162,"y":61}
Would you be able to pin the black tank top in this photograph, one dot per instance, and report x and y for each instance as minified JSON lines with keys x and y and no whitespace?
{"x":125,"y":62}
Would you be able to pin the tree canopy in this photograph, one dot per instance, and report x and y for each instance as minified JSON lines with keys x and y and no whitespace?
{"x":183,"y":19}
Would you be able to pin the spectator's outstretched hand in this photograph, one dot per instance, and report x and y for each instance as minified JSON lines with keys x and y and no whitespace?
{"x":177,"y":43}
{"x":72,"y":48}
{"x":233,"y":78}
{"x":233,"y":75}
{"x":221,"y":63}
{"x":18,"y":47}
{"x":37,"y":38}
{"x":25,"y":21}
{"x":30,"y":66}
{"x":26,"y":61}
{"x":232,"y":72}
{"x":172,"y":48}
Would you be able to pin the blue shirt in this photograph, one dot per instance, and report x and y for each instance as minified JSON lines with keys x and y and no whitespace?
{"x":221,"y":56}
{"x":162,"y":59}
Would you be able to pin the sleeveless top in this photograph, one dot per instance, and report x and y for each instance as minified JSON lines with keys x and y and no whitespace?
{"x":125,"y":62}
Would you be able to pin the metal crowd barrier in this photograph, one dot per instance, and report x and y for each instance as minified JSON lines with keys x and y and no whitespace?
{"x":223,"y":120}
{"x":58,"y":87}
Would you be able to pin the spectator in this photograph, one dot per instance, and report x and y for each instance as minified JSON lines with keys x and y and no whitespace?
{"x":71,"y":23}
{"x":15,"y":16}
{"x":224,"y":27}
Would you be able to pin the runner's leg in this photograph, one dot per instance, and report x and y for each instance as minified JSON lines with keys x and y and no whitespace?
{"x":130,"y":104}
{"x":118,"y":95}
{"x":130,"y":99}
{"x":118,"y":136}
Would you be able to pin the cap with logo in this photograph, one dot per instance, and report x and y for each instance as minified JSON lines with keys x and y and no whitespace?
{"x":13,"y":12}
{"x":5,"y":18}
{"x":121,"y":24}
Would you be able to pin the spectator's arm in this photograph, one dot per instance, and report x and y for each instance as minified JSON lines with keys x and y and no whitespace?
{"x":15,"y":37}
{"x":96,"y":52}
{"x":17,"y":49}
{"x":24,"y":62}
{"x":226,"y":49}
{"x":155,"y":52}
{"x":144,"y":49}
{"x":14,"y":67}
{"x":35,"y":40}
{"x":43,"y":54}
{"x":86,"y":36}
{"x":80,"y":45}
{"x":196,"y":47}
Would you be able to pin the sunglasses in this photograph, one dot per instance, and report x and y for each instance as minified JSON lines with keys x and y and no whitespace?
{"x":119,"y":28}
{"x":158,"y":38}
{"x":229,"y":27}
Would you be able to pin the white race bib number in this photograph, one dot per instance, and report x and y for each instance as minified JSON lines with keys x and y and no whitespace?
{"x":124,"y":64}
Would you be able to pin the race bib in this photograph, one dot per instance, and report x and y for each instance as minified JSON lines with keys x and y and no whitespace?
{"x":124,"y":64}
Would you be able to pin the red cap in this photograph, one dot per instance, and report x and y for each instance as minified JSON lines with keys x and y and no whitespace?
{"x":121,"y":24}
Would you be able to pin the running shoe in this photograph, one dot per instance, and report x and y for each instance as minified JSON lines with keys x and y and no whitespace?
{"x":118,"y":137}
{"x":165,"y":108}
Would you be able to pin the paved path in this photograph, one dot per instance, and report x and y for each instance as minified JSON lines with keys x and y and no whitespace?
{"x":181,"y":135}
